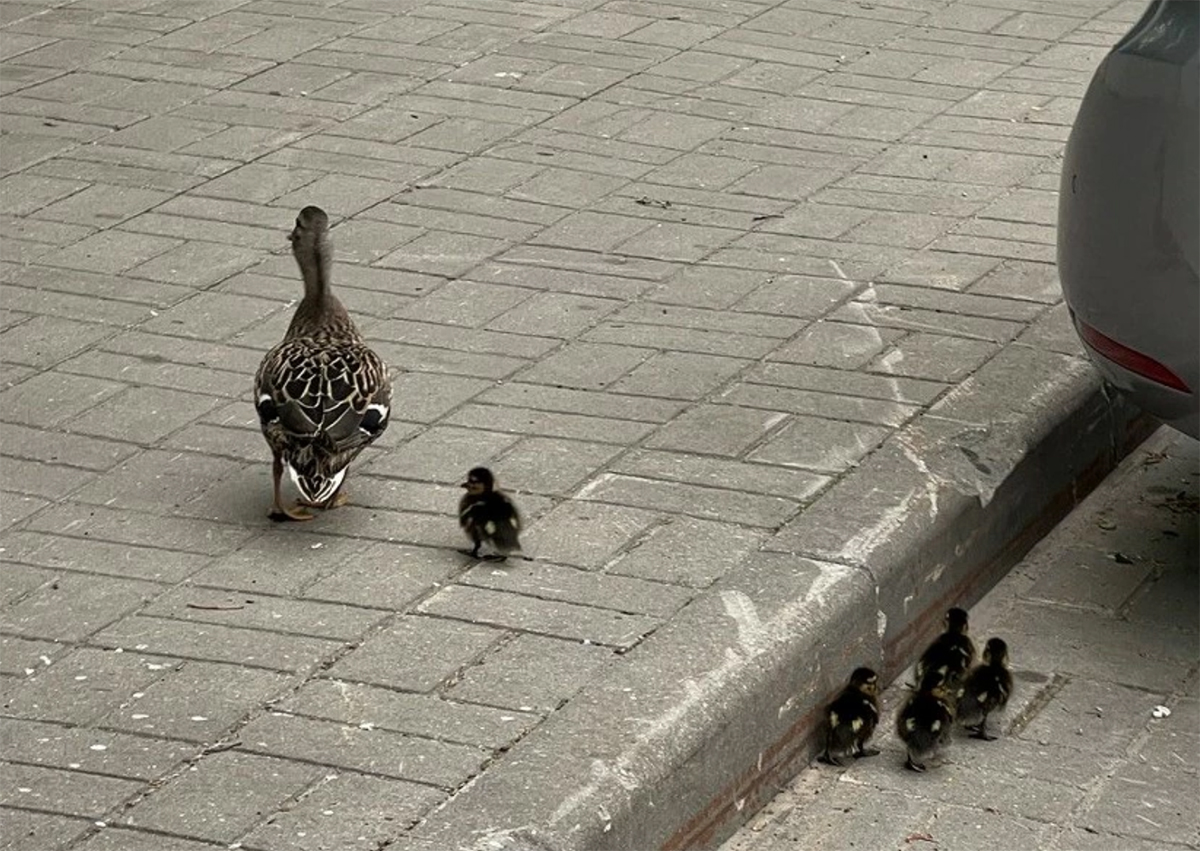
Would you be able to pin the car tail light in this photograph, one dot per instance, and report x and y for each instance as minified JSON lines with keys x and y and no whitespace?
{"x":1131,"y":359}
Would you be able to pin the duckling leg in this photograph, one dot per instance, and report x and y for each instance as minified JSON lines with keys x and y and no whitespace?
{"x":979,"y":731}
{"x":830,"y":759}
{"x":863,"y":753}
{"x":278,"y":513}
{"x":914,"y":766}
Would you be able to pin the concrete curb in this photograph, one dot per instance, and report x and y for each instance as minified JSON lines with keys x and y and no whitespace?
{"x":712,"y":714}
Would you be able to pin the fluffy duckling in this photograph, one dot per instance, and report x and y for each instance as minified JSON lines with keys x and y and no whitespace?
{"x":925,"y":720}
{"x":852,"y":717}
{"x":952,"y":652}
{"x":322,"y":395}
{"x":985,"y":689}
{"x":488,"y":514}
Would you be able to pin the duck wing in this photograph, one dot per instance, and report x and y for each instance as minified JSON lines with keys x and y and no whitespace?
{"x":333,"y":395}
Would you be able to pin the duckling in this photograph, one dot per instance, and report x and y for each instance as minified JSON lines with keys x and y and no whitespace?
{"x":488,"y":514}
{"x":322,"y":395}
{"x":985,"y":689}
{"x":925,"y":720}
{"x":852,"y":717}
{"x":952,"y":652}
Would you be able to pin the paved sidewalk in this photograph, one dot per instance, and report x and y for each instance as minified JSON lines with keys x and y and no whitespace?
{"x":1103,"y":623}
{"x":752,"y":304}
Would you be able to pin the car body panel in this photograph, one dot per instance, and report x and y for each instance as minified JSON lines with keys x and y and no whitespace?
{"x":1129,"y":209}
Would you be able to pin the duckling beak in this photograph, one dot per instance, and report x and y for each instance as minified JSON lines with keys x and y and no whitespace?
{"x":465,"y":485}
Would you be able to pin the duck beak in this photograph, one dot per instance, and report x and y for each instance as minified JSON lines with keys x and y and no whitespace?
{"x":465,"y":485}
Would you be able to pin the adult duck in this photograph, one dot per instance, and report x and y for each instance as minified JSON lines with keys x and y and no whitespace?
{"x":322,"y":395}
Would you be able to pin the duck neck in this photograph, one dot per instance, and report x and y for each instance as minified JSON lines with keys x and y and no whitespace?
{"x":315,"y":266}
{"x":320,"y":308}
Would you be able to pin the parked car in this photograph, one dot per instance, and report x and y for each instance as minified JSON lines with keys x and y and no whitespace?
{"x":1129,"y":216}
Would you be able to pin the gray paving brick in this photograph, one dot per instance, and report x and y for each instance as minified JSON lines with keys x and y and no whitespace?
{"x":935,"y":357}
{"x":224,"y":796}
{"x":68,"y":305}
{"x":715,"y":430}
{"x":355,"y":748}
{"x":683,"y":242}
{"x":85,"y":555}
{"x":112,"y":251}
{"x":22,"y":150}
{"x":465,"y":340}
{"x":586,"y":402}
{"x":52,"y":398}
{"x":47,"y":232}
{"x":25,"y":251}
{"x":45,"y":340}
{"x":82,"y":686}
{"x":427,"y":716}
{"x":748,"y":253}
{"x":532,"y":673}
{"x":19,"y":506}
{"x":565,"y":187}
{"x":121,"y":755}
{"x":820,"y":444}
{"x":33,"y":279}
{"x":949,"y":271}
{"x":714,"y":350}
{"x":463,"y":303}
{"x":20,"y":581}
{"x":555,"y":314}
{"x":698,"y":501}
{"x":552,"y":466}
{"x":371,"y":577}
{"x":154,"y":412}
{"x":443,"y":253}
{"x":837,"y":344}
{"x":344,"y":813}
{"x":146,"y":371}
{"x":795,"y":295}
{"x":75,"y":606}
{"x":869,"y":310}
{"x":30,"y":192}
{"x":68,"y":792}
{"x":712,"y":471}
{"x":260,"y":612}
{"x":416,"y":653}
{"x":443,"y":454}
{"x":1054,"y":332}
{"x":700,"y":171}
{"x":218,"y":643}
{"x":582,"y":365}
{"x":832,"y":405}
{"x":195,"y":701}
{"x":825,"y":380}
{"x":28,"y":830}
{"x":683,"y":375}
{"x":22,"y":657}
{"x":711,"y":287}
{"x":579,"y":261}
{"x":556,"y":536}
{"x":153,"y":480}
{"x":555,"y":582}
{"x":548,"y":424}
{"x":589,"y":231}
{"x":620,"y":56}
{"x":546,"y":617}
